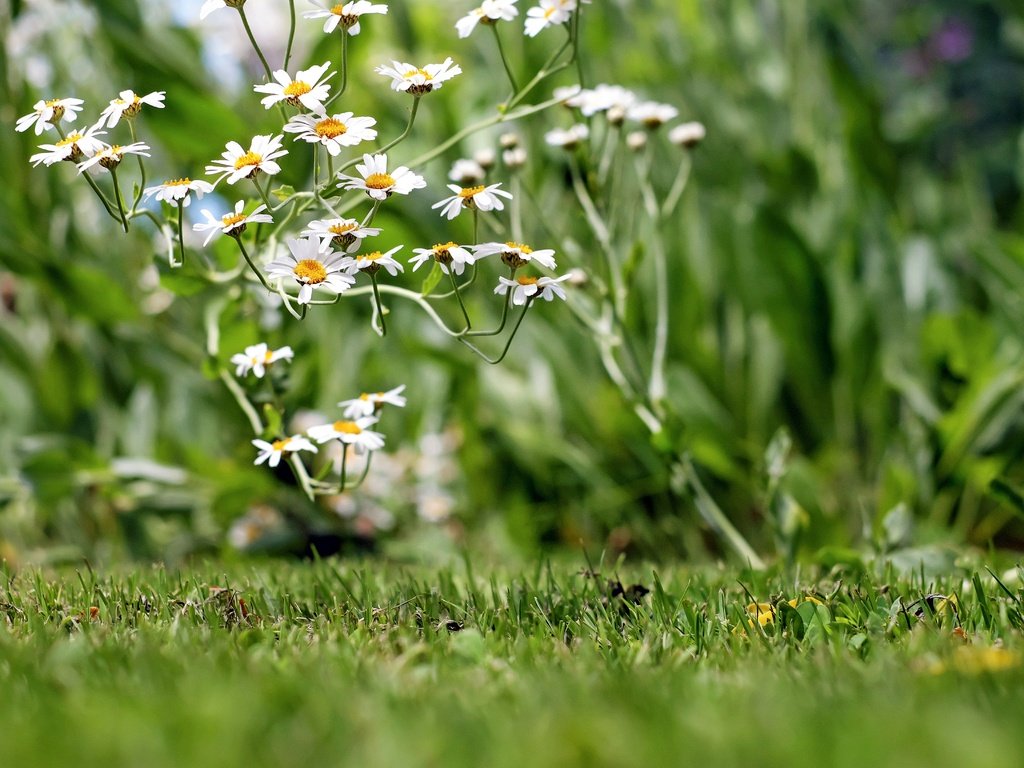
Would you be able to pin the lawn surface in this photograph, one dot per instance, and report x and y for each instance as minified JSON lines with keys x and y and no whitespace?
{"x":371,"y":665}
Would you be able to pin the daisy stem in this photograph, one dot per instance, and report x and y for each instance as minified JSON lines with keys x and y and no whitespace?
{"x":363,"y":474}
{"x":610,"y":144}
{"x":341,"y":474}
{"x":508,"y":343}
{"x":120,"y":200}
{"x":476,"y":226}
{"x":142,"y":169}
{"x":678,"y":187}
{"x":243,"y":402}
{"x":413,"y":296}
{"x":380,"y":309}
{"x":545,"y":71}
{"x":291,"y":34}
{"x":657,"y":387}
{"x":462,"y":305}
{"x":255,"y":45}
{"x":371,"y":215}
{"x":405,"y":133}
{"x":504,"y":60}
{"x":102,"y":196}
{"x":464,"y":286}
{"x":263,"y":194}
{"x":504,"y":314}
{"x":252,"y":266}
{"x":181,"y":237}
{"x":288,"y":302}
{"x":302,"y":476}
{"x":516,"y":214}
{"x":344,"y":64}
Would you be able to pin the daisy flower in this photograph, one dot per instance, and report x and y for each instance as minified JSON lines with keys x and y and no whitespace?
{"x":480,"y":197}
{"x":128,"y":104}
{"x":489,"y":12}
{"x":354,"y":433}
{"x":111,"y":156}
{"x":45,"y":113}
{"x":652,"y":114}
{"x":275,"y":450}
{"x":567,"y":138}
{"x":525,"y":289}
{"x":378,"y":183}
{"x":312,"y":264}
{"x":465,"y":171}
{"x":446,"y":254}
{"x":369,"y":403}
{"x":371,"y":263}
{"x":687,"y":134}
{"x":343,"y":233}
{"x":406,"y":77}
{"x":547,"y":14}
{"x":178,"y":191}
{"x":515,"y":255}
{"x":257,"y":357}
{"x":215,"y":5}
{"x":76,"y":145}
{"x":514,"y":158}
{"x":334,"y":132}
{"x":347,"y":15}
{"x":309,"y":89}
{"x":232,"y":224}
{"x":237,"y":163}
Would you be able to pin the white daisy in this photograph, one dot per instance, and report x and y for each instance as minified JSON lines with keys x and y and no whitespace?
{"x":417,"y":81}
{"x":215,"y":5}
{"x":312,"y":264}
{"x":446,"y":254}
{"x":480,"y":197}
{"x":233,"y":224}
{"x":547,"y":14}
{"x":178,"y":191}
{"x":277,"y":449}
{"x":465,"y":171}
{"x":652,"y":114}
{"x":378,"y":183}
{"x":74,"y":146}
{"x":45,"y":113}
{"x":514,"y":158}
{"x":369,"y":403}
{"x":237,"y":163}
{"x":353,"y":433}
{"x":309,"y":89}
{"x":345,"y":234}
{"x":603,"y":97}
{"x":687,"y":134}
{"x":515,"y":255}
{"x":347,"y":15}
{"x":525,"y":288}
{"x":334,"y":132}
{"x":372,"y":262}
{"x":128,"y":104}
{"x":489,"y":12}
{"x":567,"y":138}
{"x":257,"y":357}
{"x":111,"y":156}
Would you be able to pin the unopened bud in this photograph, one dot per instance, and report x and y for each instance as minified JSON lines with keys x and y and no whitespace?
{"x":514,"y":158}
{"x":636,"y":140}
{"x":509,"y":140}
{"x":687,"y":134}
{"x":485,"y":158}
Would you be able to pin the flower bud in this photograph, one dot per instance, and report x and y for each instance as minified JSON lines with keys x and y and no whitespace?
{"x":687,"y":135}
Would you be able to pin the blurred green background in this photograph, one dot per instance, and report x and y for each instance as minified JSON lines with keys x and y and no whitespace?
{"x":847,"y":276}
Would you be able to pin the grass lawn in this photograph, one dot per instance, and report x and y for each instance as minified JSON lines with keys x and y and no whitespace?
{"x":371,"y":665}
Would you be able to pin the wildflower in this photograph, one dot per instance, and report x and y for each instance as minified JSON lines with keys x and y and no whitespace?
{"x":515,"y":255}
{"x":343,"y":233}
{"x":446,"y":254}
{"x":76,"y":145}
{"x":509,"y":140}
{"x":467,"y":172}
{"x":45,"y":113}
{"x":548,"y":13}
{"x":111,"y":156}
{"x":479,"y":197}
{"x":569,"y":95}
{"x":354,"y":433}
{"x":651,"y":114}
{"x":417,"y":81}
{"x":489,"y":12}
{"x":237,"y":163}
{"x":128,"y":104}
{"x":275,"y":450}
{"x":636,"y":140}
{"x":687,"y":134}
{"x":526,"y":289}
{"x":569,"y":138}
{"x":178,"y":191}
{"x":309,"y":89}
{"x":371,"y":263}
{"x":232,"y":224}
{"x":257,"y":357}
{"x":214,"y":5}
{"x":369,"y":403}
{"x":347,"y":15}
{"x":485,"y":158}
{"x":313,"y":265}
{"x":378,"y":183}
{"x":334,"y":132}
{"x":613,"y":99}
{"x":514,"y":158}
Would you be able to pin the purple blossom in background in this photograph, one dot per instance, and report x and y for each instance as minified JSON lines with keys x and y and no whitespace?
{"x":953,"y":41}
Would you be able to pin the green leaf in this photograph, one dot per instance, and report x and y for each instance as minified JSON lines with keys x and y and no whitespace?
{"x":284,"y":192}
{"x":431,"y":281}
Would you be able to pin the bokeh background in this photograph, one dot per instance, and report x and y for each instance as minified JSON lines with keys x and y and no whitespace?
{"x":847,"y":274}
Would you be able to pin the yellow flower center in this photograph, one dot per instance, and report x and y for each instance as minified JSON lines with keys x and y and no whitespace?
{"x":550,"y":12}
{"x":441,"y":248}
{"x":69,"y":140}
{"x":521,"y":247}
{"x":523,"y":280}
{"x":338,"y":9}
{"x":52,"y":102}
{"x":414,"y":72}
{"x":297,"y":88}
{"x":178,"y":182}
{"x":310,"y":271}
{"x":114,"y":150}
{"x":269,"y":357}
{"x":249,"y":158}
{"x":347,"y":428}
{"x":468,"y":192}
{"x":372,"y":256}
{"x":330,"y":128}
{"x":342,"y":229}
{"x":380,"y":181}
{"x":232,"y":219}
{"x":279,"y":445}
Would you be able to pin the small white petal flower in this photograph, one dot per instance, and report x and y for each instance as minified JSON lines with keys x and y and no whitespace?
{"x":417,"y":81}
{"x":605,"y":98}
{"x":374,"y":261}
{"x":515,"y":255}
{"x":378,"y":183}
{"x":237,"y":163}
{"x":178,"y":191}
{"x":334,"y":132}
{"x":448,"y":255}
{"x":652,"y":114}
{"x":467,"y":172}
{"x":45,"y":113}
{"x":276,"y":450}
{"x":548,"y":13}
{"x":480,"y":197}
{"x":111,"y":156}
{"x":489,"y":12}
{"x":369,"y":403}
{"x":569,"y":138}
{"x":687,"y":134}
{"x":345,"y":234}
{"x":309,"y":89}
{"x":514,"y":158}
{"x":76,"y":145}
{"x":353,"y":433}
{"x":346,"y":16}
{"x":313,"y":264}
{"x":128,"y":104}
{"x":525,"y":288}
{"x":257,"y":357}
{"x":233,"y":224}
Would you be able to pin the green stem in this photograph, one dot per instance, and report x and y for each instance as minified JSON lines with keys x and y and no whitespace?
{"x":458,"y":297}
{"x":658,"y":386}
{"x":341,"y":473}
{"x":291,"y":33}
{"x":119,"y":199}
{"x":243,"y":402}
{"x":181,"y":238}
{"x":380,"y":308}
{"x":504,"y":60}
{"x":504,"y":315}
{"x":255,"y":45}
{"x":678,"y":186}
{"x":142,"y":169}
{"x":508,"y":344}
{"x":252,"y":266}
